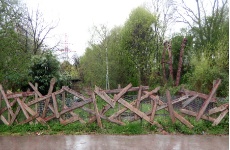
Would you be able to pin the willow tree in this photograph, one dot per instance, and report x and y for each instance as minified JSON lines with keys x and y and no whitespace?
{"x":138,"y":41}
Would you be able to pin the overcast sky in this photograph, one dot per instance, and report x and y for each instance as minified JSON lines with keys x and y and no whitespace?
{"x":77,"y":17}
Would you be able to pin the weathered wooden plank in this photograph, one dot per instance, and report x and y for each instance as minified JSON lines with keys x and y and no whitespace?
{"x":138,"y":100}
{"x":115,"y":91}
{"x":5,"y":108}
{"x":55,"y":106}
{"x":18,"y":95}
{"x":42,"y":98}
{"x":6,"y":101}
{"x":49,"y":118}
{"x":191,"y":113}
{"x":75,"y":115}
{"x":207,"y":101}
{"x":52,"y":82}
{"x":188,"y":101}
{"x":138,"y":112}
{"x":22,"y":108}
{"x":122,"y":92}
{"x":179,"y":117}
{"x":133,"y":103}
{"x":154,"y":106}
{"x":75,"y":106}
{"x":35,"y":90}
{"x":39,"y":119}
{"x":102,"y":116}
{"x":183,"y":120}
{"x":218,"y":109}
{"x":70,"y":120}
{"x":200,"y":95}
{"x":96,"y":111}
{"x":36,"y":98}
{"x":173,"y":102}
{"x":221,"y":116}
{"x":67,"y":89}
{"x":104,"y":96}
{"x":4,"y":120}
{"x":15,"y":115}
{"x":170,"y":106}
{"x":29,"y":119}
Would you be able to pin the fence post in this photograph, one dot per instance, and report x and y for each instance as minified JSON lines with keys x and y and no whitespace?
{"x":119,"y":105}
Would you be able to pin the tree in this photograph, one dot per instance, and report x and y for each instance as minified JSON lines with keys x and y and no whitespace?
{"x":206,"y":27}
{"x":138,"y":41}
{"x":43,"y":69}
{"x":13,"y":72}
{"x":38,"y":29}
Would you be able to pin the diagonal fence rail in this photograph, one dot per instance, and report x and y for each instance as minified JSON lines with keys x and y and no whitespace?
{"x":110,"y":105}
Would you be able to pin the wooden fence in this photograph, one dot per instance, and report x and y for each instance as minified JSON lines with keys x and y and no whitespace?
{"x":21,"y":108}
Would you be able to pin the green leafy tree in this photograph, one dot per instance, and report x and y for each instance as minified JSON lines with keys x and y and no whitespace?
{"x":14,"y":59}
{"x":43,"y":69}
{"x":138,"y":41}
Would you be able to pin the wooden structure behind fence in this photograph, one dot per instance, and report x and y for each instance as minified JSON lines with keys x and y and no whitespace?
{"x":21,"y":108}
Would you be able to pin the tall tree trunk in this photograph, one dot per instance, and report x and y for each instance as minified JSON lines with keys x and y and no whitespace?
{"x":180,"y":61}
{"x":170,"y":61}
{"x":163,"y":62}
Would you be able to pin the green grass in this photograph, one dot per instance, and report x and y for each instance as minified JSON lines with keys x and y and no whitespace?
{"x":134,"y":128}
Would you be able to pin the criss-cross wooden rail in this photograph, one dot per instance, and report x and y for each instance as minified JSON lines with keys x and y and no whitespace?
{"x":21,"y":108}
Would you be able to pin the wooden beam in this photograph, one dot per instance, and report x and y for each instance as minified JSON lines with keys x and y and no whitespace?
{"x":221,"y":116}
{"x":76,"y":115}
{"x":188,"y":101}
{"x":29,"y":119}
{"x":133,"y":103}
{"x":42,"y":98}
{"x":179,"y":117}
{"x":55,"y":105}
{"x":75,"y":106}
{"x":4,"y":120}
{"x":218,"y":109}
{"x":104,"y":96}
{"x":115,"y":91}
{"x":39,"y":119}
{"x":191,"y":113}
{"x":182,"y":98}
{"x":207,"y":101}
{"x":67,"y":89}
{"x":138,"y":112}
{"x":17,"y":95}
{"x":70,"y":120}
{"x":122,"y":92}
{"x":22,"y":108}
{"x":5,"y":108}
{"x":6,"y":101}
{"x":96,"y":111}
{"x":154,"y":106}
{"x":52,"y":82}
{"x":200,"y":95}
{"x":170,"y":107}
{"x":35,"y":89}
{"x":138,"y":100}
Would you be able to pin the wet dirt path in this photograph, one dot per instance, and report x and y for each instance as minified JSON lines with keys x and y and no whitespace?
{"x":114,"y":142}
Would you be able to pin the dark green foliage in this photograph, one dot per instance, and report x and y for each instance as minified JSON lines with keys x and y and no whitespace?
{"x":43,"y":69}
